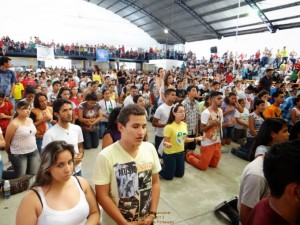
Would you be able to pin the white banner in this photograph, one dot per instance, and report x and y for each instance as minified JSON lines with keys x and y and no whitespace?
{"x":45,"y":53}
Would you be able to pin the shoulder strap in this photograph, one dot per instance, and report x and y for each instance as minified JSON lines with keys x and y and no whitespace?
{"x":78,"y":182}
{"x":36,"y":192}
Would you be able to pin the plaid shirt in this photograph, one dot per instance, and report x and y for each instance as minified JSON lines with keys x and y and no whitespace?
{"x":286,"y":108}
{"x":192,"y":113}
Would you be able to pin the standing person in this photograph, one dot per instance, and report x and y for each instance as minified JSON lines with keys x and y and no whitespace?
{"x":126,"y":173}
{"x":66,"y":131}
{"x":129,"y":99}
{"x":192,"y":114}
{"x":175,"y":135}
{"x":57,"y":197}
{"x":121,"y":77}
{"x":42,"y":116}
{"x":6,"y":112}
{"x":107,"y":105}
{"x":51,"y":96}
{"x":90,"y":115}
{"x":76,"y":99}
{"x":265,"y":82}
{"x":146,"y":95}
{"x":7,"y":79}
{"x":256,"y":119}
{"x":20,"y":144}
{"x":140,"y":101}
{"x":180,"y":92}
{"x":168,"y":79}
{"x":274,"y":109}
{"x":97,"y":75}
{"x":161,"y":116}
{"x":211,"y":126}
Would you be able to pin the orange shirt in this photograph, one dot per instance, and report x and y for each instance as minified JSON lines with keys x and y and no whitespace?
{"x":272,"y":111}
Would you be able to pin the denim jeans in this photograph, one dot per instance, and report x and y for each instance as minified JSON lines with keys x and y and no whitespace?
{"x":39,"y":143}
{"x":23,"y":164}
{"x":243,"y":152}
{"x":91,"y":139}
{"x":102,"y":128}
{"x":174,"y":166}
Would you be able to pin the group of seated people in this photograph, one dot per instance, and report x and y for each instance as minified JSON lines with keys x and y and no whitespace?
{"x":210,"y":107}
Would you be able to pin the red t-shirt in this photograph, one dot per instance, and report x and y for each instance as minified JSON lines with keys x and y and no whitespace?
{"x":263,"y":214}
{"x":27,"y":82}
{"x":257,"y":55}
{"x":5,"y":109}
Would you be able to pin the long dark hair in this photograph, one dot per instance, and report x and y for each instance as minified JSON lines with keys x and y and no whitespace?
{"x":264,"y":134}
{"x":257,"y":102}
{"x":112,"y":120}
{"x":48,"y":159}
{"x":173,"y":110}
{"x":61,"y":90}
{"x":226,"y":100}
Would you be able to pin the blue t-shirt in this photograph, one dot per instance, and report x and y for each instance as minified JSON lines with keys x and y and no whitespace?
{"x":6,"y":79}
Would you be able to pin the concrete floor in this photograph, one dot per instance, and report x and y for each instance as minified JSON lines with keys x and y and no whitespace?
{"x":186,"y":201}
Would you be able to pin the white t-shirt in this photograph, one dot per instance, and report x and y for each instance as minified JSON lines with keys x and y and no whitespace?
{"x":72,"y":136}
{"x":130,"y":179}
{"x":244,"y":116}
{"x":205,"y":117}
{"x":162,"y":113}
{"x":254,"y":186}
{"x":107,"y":107}
{"x":128,"y":100}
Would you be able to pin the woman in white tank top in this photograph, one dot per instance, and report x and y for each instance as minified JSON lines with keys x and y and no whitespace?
{"x":57,"y":197}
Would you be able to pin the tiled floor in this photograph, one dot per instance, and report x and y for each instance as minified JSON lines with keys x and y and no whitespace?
{"x":186,"y":201}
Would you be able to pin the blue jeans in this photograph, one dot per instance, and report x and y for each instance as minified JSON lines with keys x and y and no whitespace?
{"x":243,"y":152}
{"x":39,"y":143}
{"x":102,"y":128}
{"x":23,"y":164}
{"x":91,"y":139}
{"x":174,"y":166}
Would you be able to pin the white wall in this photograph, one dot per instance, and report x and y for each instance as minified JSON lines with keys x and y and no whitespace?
{"x":67,"y":21}
{"x":167,"y":64}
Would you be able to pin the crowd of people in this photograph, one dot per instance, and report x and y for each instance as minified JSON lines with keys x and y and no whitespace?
{"x":49,"y":117}
{"x":8,"y":45}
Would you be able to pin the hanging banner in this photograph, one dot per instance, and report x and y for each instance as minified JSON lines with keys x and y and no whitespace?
{"x":44,"y":53}
{"x":102,"y":55}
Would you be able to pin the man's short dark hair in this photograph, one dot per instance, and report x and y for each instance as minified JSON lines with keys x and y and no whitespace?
{"x":133,"y":87}
{"x":57,"y":104}
{"x":55,"y":82}
{"x":281,"y":166}
{"x":94,"y":82}
{"x":169,"y":91}
{"x":3,"y":60}
{"x":215,"y":93}
{"x":189,"y":88}
{"x":131,"y":109}
{"x":216,"y":83}
{"x":250,"y":88}
{"x":276,"y":94}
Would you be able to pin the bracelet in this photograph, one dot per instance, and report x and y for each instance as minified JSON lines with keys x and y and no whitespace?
{"x":153,"y":213}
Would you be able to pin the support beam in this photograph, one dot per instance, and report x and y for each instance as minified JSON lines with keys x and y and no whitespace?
{"x":139,"y":10}
{"x":99,"y":3}
{"x":197,"y":17}
{"x":262,"y":15}
{"x":281,"y":7}
{"x":116,"y":12}
{"x":156,"y":20}
{"x":112,"y":4}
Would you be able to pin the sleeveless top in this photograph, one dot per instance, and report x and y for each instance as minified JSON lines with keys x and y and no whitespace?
{"x":23,"y":141}
{"x":258,"y":120}
{"x":76,"y":215}
{"x":297,"y":114}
